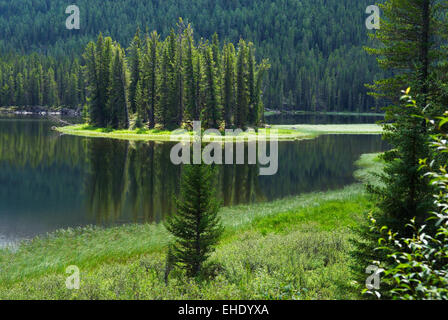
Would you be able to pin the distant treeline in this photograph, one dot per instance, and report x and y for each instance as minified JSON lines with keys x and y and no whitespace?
{"x":36,"y":80}
{"x":314,"y":46}
{"x":170,"y":83}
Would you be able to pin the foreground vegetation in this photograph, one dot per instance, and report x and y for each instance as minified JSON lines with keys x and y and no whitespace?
{"x":294,"y":248}
{"x":407,"y":237}
{"x":284,"y":132}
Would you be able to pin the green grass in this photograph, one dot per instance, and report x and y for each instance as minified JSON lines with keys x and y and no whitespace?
{"x":139,"y":134}
{"x":372,"y":166}
{"x":283,"y":132}
{"x":294,"y":248}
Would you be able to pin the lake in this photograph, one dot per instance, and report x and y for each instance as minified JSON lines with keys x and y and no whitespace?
{"x":50,"y":181}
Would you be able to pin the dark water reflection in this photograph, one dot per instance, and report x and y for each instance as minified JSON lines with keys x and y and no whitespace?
{"x":48,"y":181}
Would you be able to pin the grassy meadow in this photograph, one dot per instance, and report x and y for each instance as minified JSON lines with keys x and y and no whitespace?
{"x":294,"y":248}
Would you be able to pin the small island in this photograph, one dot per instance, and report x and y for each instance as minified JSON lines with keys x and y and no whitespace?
{"x":165,"y":85}
{"x":162,"y":87}
{"x":282,"y":133}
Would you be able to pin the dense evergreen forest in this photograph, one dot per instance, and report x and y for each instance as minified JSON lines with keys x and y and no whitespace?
{"x":37,"y":80}
{"x":314,"y":46}
{"x":171,"y":83}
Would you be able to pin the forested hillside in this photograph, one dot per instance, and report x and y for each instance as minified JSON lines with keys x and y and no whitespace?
{"x":314,"y":46}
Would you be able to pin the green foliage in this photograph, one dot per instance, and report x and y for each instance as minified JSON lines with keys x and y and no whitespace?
{"x":135,"y":66}
{"x":140,"y":106}
{"x":196,"y":225}
{"x":191,"y":98}
{"x":150,"y":71}
{"x":405,"y":192}
{"x":37,"y":80}
{"x":211,"y":115}
{"x":242,"y":90}
{"x":118,"y":95}
{"x":172,"y":82}
{"x":50,"y":94}
{"x":228,"y":84}
{"x":166,"y":104}
{"x":105,"y":78}
{"x":312,"y":44}
{"x":416,"y":267}
{"x":410,"y":46}
{"x":401,"y":190}
{"x":91,"y":62}
{"x":169,"y":82}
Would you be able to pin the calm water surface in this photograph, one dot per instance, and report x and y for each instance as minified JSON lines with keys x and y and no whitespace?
{"x":49,"y":181}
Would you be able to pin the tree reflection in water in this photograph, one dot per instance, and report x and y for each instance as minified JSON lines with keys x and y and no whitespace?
{"x":48,"y":181}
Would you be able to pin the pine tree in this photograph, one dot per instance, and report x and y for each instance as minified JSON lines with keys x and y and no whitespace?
{"x":211,"y":114}
{"x":152,"y":69}
{"x":191,"y":109}
{"x":97,"y":73}
{"x":409,"y":47}
{"x":10,"y":91}
{"x":135,"y":67}
{"x":51,"y":97}
{"x":406,"y":193}
{"x":91,"y":75}
{"x":410,"y":37}
{"x":101,"y":81}
{"x":198,"y":76}
{"x":166,"y":84}
{"x":118,"y":92}
{"x":37,"y":85}
{"x":140,"y":105}
{"x":216,"y":52}
{"x":217,"y":58}
{"x":251,"y":85}
{"x":166,"y":113}
{"x":173,"y":106}
{"x":40,"y":88}
{"x":74,"y":90}
{"x":242,"y":92}
{"x":196,"y":225}
{"x":20,"y":90}
{"x":179,"y":70}
{"x":229,"y":83}
{"x":261,"y":73}
{"x":105,"y":56}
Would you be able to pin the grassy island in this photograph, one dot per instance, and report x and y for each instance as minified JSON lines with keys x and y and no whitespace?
{"x":284,"y":132}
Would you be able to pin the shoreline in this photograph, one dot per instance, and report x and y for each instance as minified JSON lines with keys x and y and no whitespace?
{"x":40,"y":111}
{"x":36,"y":110}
